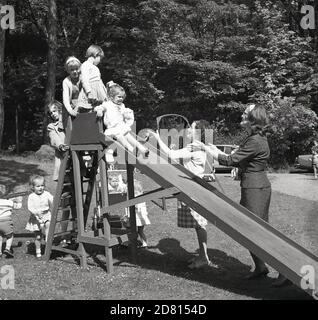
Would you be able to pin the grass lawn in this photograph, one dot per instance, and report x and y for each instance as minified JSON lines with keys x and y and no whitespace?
{"x":161,"y":272}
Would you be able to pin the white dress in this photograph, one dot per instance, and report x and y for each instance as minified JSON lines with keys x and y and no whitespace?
{"x":141,"y":214}
{"x":117,"y":118}
{"x":39,"y":207}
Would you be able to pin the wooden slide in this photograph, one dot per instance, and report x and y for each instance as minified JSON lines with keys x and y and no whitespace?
{"x":280,"y":252}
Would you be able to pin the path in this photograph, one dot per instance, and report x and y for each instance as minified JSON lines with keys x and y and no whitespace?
{"x":299,"y":185}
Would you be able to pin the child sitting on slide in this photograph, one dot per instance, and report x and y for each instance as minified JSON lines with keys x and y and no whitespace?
{"x":118,"y":120}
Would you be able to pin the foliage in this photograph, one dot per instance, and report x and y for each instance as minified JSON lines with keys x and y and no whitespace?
{"x":203,"y":59}
{"x":292,"y":131}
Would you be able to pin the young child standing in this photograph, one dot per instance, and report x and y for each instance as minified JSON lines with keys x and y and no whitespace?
{"x":93,"y":90}
{"x":141,"y":215}
{"x":6,"y":223}
{"x":118,"y":119}
{"x":39,"y":205}
{"x":56,"y":135}
{"x":71,"y":88}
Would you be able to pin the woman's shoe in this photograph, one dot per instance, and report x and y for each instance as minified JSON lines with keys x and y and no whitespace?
{"x":281,"y":281}
{"x":192,"y":260}
{"x":257,"y":274}
{"x":144,"y":246}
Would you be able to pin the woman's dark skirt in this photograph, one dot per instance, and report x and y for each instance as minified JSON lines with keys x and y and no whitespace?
{"x":257,"y":201}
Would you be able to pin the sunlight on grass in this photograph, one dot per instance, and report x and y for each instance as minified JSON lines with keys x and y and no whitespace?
{"x":161,"y":271}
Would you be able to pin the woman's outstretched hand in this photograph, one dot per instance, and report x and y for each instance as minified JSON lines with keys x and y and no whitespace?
{"x":73,"y":112}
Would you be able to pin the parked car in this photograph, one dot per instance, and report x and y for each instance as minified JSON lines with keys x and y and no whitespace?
{"x":228,"y":149}
{"x":304,"y":161}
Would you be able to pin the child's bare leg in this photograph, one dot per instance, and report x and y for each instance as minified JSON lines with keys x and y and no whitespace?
{"x":202,"y":239}
{"x":142,"y":236}
{"x":124,"y":142}
{"x":37,"y":243}
{"x":315,"y":171}
{"x":46,"y":229}
{"x":9,"y":242}
{"x":136,"y":143}
{"x":1,"y":241}
{"x":7,"y":251}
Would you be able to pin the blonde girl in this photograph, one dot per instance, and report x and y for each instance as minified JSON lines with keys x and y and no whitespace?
{"x":39,"y":205}
{"x":118,"y":119}
{"x":71,"y":88}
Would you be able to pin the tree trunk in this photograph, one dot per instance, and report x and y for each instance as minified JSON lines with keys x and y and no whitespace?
{"x":2,"y":42}
{"x":51,"y":61}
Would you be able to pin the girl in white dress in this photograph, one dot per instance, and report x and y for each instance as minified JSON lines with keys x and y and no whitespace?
{"x":118,"y":119}
{"x":71,"y":88}
{"x":39,"y":205}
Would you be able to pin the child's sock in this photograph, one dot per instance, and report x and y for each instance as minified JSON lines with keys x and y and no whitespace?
{"x":38,"y":253}
{"x":9,"y":243}
{"x":109,"y":156}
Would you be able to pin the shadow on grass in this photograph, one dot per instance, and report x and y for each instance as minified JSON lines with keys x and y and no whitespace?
{"x":229,"y":273}
{"x":14,"y":174}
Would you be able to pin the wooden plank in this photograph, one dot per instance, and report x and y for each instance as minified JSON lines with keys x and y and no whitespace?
{"x":86,"y":147}
{"x":85,"y":129}
{"x":65,"y":250}
{"x":132,"y":212}
{"x":156,"y":194}
{"x":100,"y":241}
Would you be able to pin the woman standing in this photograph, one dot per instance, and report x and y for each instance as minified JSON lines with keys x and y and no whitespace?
{"x":251,"y":158}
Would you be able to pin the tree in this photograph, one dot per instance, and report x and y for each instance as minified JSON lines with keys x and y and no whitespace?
{"x":2,"y":43}
{"x":51,"y":60}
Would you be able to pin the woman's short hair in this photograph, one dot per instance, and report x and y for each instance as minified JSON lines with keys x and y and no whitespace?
{"x":94,"y":51}
{"x":72,"y":63}
{"x":258,"y":118}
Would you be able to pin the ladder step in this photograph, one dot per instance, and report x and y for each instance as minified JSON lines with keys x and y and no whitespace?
{"x":71,"y":219}
{"x":66,"y":233}
{"x":65,"y":209}
{"x":67,"y":184}
{"x":60,"y":248}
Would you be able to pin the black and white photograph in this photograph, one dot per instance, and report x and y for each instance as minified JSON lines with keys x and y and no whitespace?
{"x":158,"y":155}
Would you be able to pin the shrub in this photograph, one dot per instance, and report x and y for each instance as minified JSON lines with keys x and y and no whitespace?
{"x":293,"y":127}
{"x":45,"y":153}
